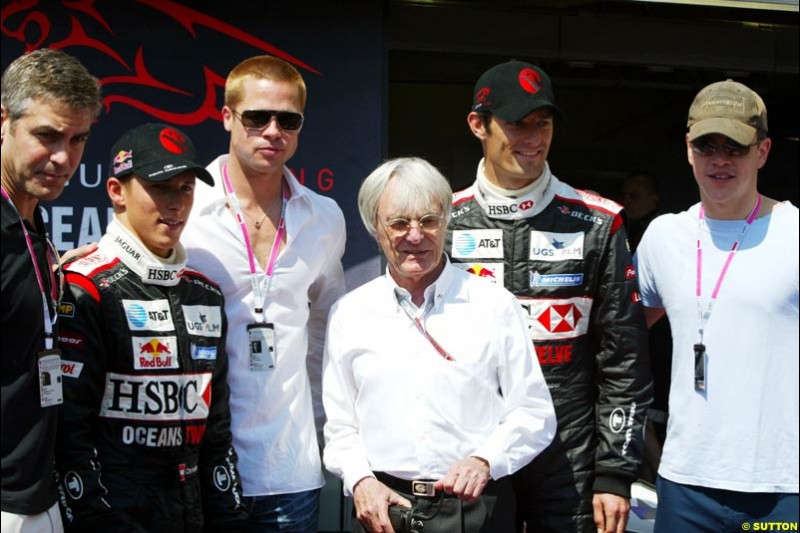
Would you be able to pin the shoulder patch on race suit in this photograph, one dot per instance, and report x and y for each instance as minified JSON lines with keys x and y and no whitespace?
{"x":92,"y":263}
{"x":148,"y":315}
{"x":152,"y":397}
{"x":477,"y":244}
{"x":463,"y":196}
{"x":556,"y":319}
{"x":494,"y":272}
{"x":203,"y":320}
{"x":549,"y":246}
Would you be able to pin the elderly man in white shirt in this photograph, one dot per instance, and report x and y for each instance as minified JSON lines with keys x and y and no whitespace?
{"x":431,"y":388}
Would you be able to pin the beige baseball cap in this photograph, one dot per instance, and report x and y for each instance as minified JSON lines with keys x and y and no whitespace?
{"x":730,"y":109}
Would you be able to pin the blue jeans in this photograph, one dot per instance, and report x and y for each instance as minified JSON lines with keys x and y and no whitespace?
{"x":284,"y":513}
{"x":700,"y":509}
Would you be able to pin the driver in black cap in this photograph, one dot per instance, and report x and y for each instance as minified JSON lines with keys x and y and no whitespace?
{"x":563,"y":252}
{"x":144,"y":442}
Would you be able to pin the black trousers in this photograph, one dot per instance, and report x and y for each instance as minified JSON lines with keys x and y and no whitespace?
{"x":493,"y":512}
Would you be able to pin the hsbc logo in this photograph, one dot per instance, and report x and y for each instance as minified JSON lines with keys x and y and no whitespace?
{"x":560,"y":318}
{"x":550,"y":319}
{"x":499,"y":210}
{"x":157,"y":398}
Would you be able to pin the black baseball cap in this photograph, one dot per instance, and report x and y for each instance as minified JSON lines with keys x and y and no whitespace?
{"x":513,"y":90}
{"x":156,"y":152}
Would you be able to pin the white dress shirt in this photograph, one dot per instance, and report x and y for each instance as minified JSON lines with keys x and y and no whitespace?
{"x":395,"y":404}
{"x":272,"y":418}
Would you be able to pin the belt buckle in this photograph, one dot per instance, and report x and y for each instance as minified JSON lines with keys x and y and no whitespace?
{"x":422,"y":488}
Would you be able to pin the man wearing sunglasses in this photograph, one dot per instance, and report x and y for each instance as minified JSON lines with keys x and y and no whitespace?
{"x":275,"y":249}
{"x":726,"y":271}
{"x":563,"y":253}
{"x":49,"y":101}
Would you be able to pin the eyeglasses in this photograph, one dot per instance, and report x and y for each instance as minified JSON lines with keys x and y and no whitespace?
{"x":399,"y":227}
{"x":706,"y":147}
{"x":260,"y":119}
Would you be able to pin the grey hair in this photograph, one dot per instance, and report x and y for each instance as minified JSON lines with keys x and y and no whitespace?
{"x":422,"y":189}
{"x":50,"y":76}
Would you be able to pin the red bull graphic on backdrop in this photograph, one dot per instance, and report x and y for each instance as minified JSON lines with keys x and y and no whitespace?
{"x":494,"y":272}
{"x":94,"y":24}
{"x":166,"y":61}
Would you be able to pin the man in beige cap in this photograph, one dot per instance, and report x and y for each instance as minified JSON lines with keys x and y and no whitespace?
{"x":726,"y":272}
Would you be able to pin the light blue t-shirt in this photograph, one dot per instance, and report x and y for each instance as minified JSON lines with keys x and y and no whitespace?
{"x":741,"y":434}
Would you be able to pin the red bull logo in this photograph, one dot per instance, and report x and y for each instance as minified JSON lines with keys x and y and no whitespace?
{"x":156,"y":352}
{"x":155,"y":348}
{"x":481,"y":271}
{"x":122,"y":156}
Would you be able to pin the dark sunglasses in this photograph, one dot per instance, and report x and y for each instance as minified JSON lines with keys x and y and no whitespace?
{"x":706,"y":147}
{"x":260,"y":119}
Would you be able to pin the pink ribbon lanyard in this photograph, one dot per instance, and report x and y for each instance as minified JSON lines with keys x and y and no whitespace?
{"x":418,"y":323}
{"x":276,"y":244}
{"x":49,"y":321}
{"x":734,"y":248}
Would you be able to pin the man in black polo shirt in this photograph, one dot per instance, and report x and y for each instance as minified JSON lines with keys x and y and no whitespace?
{"x":49,"y":101}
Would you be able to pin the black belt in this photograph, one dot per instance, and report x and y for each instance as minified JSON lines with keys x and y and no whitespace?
{"x":420,"y":488}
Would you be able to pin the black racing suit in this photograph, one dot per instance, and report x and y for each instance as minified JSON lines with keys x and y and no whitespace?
{"x":564,"y":254}
{"x":144,"y":441}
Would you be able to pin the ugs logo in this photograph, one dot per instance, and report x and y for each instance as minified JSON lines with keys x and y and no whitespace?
{"x":507,"y":209}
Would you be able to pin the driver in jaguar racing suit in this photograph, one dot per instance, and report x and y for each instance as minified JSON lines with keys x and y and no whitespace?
{"x":144,"y":440}
{"x":563,"y":253}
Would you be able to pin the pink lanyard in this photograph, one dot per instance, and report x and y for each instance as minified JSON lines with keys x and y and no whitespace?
{"x":734,"y":248}
{"x":276,"y":244}
{"x":417,"y":322}
{"x":49,"y":321}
